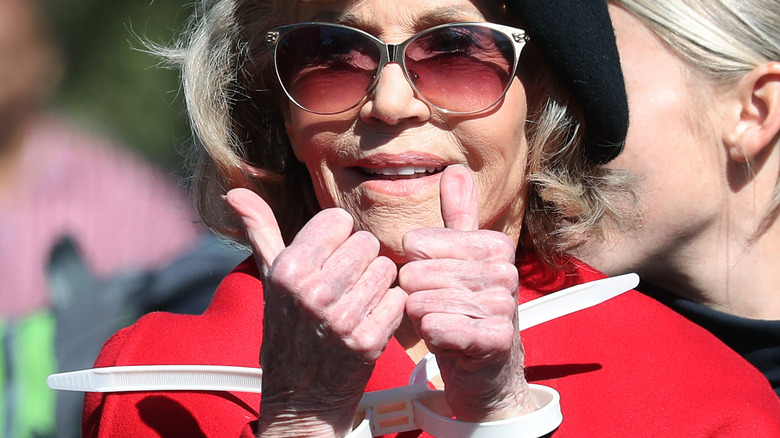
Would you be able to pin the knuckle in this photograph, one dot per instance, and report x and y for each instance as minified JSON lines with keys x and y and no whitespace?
{"x":366,"y":237}
{"x":336,"y":216}
{"x":497,"y":245}
{"x":376,"y":279}
{"x":406,"y":275}
{"x":371,"y":343}
{"x":370,"y":347}
{"x":367,"y":243}
{"x":506,"y":273}
{"x":505,"y":304}
{"x":414,"y":307}
{"x":316,"y":297}
{"x":501,"y":337}
{"x":341,"y":323}
{"x":385,"y":266}
{"x":286,"y":267}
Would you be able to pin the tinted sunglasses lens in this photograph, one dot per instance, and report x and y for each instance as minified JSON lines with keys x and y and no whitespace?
{"x":461,"y":68}
{"x":326,"y":69}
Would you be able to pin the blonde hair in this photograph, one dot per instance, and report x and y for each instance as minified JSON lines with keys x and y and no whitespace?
{"x":235,"y":110}
{"x":721,"y":40}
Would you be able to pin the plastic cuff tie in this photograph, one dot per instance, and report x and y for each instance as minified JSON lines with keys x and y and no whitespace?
{"x":402,"y":409}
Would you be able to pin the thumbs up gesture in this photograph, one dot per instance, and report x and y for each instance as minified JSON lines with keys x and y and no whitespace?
{"x":329,"y":312}
{"x":462,"y":284}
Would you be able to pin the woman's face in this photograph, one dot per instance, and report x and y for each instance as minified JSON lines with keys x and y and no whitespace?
{"x":354,"y":157}
{"x":673,"y":148}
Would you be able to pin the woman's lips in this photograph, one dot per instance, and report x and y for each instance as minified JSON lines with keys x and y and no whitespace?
{"x":400,"y":174}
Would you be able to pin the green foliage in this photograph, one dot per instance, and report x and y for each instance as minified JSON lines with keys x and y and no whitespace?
{"x":114,"y":86}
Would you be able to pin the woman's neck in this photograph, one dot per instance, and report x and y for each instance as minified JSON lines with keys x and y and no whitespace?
{"x":729,"y":267}
{"x":720,"y":262}
{"x":739,"y":276}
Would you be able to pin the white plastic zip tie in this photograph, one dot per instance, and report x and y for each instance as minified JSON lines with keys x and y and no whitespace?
{"x":573,"y":299}
{"x":159,"y":378}
{"x":546,"y":418}
{"x":386,"y":411}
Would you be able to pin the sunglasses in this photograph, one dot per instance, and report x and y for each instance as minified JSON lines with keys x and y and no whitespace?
{"x":458,"y":68}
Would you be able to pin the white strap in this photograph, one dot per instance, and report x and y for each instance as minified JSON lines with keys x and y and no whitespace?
{"x":532,"y":425}
{"x":159,"y":378}
{"x":573,"y":299}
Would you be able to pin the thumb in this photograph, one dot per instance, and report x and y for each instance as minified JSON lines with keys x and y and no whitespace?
{"x":459,"y":201}
{"x":260,"y":225}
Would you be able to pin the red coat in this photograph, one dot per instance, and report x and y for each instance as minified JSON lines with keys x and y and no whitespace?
{"x":627,"y":367}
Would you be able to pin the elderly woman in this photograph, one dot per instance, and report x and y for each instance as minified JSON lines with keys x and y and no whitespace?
{"x":703,"y":81}
{"x":406,"y":172}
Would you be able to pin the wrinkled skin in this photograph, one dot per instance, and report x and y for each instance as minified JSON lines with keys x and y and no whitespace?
{"x":329,"y":302}
{"x":329,"y":313}
{"x":463,"y":287}
{"x":431,"y":254}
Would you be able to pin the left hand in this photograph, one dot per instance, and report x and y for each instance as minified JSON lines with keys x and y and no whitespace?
{"x":329,"y":311}
{"x":462,"y":284}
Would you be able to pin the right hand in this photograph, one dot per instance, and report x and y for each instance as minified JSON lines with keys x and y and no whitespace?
{"x":329,"y":312}
{"x":463,"y":287}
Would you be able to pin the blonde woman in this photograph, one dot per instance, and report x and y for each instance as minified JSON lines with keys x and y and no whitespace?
{"x":703,"y":82}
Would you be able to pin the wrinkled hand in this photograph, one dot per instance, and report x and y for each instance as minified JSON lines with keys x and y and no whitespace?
{"x":463,"y":287}
{"x":329,"y":312}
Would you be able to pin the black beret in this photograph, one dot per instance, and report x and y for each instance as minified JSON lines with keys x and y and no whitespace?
{"x":577,"y":40}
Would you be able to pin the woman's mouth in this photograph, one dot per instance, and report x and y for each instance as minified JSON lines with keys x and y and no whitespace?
{"x":403,"y":175}
{"x":402,"y":172}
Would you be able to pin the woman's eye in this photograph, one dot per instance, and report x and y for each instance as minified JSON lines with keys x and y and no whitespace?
{"x":450,"y":41}
{"x":345,"y":53}
{"x":356,"y":60}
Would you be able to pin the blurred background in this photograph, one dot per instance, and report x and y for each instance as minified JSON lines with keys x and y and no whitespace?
{"x":95,"y":228}
{"x":111,"y":85}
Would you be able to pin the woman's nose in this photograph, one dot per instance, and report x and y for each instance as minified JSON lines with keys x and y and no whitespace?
{"x":393,"y":99}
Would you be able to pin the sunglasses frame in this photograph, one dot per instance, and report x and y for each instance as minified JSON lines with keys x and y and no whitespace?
{"x":395,"y":53}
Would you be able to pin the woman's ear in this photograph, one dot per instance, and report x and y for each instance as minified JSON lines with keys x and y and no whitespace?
{"x":757,"y":124}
